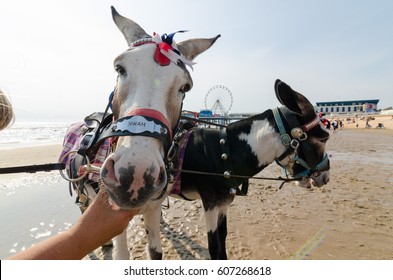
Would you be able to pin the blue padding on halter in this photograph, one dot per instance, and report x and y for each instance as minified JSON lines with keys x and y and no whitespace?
{"x":324,"y":162}
{"x":321,"y":165}
{"x":285,"y":138}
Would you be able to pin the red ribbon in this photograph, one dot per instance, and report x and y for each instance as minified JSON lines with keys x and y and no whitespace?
{"x":159,"y":57}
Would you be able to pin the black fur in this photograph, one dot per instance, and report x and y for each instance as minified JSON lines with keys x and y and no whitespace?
{"x":203,"y":153}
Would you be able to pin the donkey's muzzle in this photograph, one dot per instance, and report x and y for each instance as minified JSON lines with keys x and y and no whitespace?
{"x":130,"y":186}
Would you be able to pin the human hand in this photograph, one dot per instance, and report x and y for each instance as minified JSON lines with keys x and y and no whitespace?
{"x":102,"y":220}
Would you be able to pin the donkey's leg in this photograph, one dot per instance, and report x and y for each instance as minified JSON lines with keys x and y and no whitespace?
{"x":222,"y":233}
{"x":121,"y":247}
{"x":213,"y":239}
{"x":152,"y":219}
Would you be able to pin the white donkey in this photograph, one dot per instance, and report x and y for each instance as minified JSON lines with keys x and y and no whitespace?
{"x":147,"y":102}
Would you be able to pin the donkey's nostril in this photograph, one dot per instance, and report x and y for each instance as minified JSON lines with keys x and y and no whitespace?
{"x":108,"y":170}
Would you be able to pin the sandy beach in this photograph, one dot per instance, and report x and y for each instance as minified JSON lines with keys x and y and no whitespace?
{"x":360,"y":121}
{"x":350,"y":218}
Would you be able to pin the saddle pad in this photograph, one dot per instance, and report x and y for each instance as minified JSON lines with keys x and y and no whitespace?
{"x":176,"y":188}
{"x":72,"y":142}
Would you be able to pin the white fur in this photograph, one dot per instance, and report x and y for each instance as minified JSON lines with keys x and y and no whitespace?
{"x":152,"y":219}
{"x":264,"y":141}
{"x":121,"y":247}
{"x":211,"y":217}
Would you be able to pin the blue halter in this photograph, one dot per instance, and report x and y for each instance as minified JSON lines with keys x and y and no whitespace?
{"x":293,"y":143}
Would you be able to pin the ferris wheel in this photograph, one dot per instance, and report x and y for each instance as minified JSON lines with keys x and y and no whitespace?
{"x":219,"y":100}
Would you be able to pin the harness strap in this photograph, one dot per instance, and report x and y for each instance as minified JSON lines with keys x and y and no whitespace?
{"x":226,"y":157}
{"x":285,"y":138}
{"x":305,"y":146}
{"x":311,"y":163}
{"x":287,"y":152}
{"x":90,"y":139}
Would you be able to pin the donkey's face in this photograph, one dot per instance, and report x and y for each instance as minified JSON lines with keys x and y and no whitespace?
{"x":311,"y":162}
{"x":150,"y":86}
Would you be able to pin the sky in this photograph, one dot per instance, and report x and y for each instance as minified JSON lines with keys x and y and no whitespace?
{"x":56,"y":57}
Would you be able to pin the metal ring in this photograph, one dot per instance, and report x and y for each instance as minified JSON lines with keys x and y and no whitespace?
{"x":295,"y":144}
{"x":65,"y":177}
{"x":303,"y":136}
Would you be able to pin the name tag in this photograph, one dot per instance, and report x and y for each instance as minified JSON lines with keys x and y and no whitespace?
{"x":138,"y":125}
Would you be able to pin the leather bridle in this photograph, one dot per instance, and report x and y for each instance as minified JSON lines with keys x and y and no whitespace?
{"x":297,"y":139}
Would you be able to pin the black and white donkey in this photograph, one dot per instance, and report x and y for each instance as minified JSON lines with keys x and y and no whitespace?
{"x":292,"y":135}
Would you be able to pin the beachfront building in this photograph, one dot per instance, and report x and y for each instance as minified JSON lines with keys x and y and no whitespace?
{"x":347,"y":107}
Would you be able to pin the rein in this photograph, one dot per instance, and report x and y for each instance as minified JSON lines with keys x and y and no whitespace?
{"x":32,"y":168}
{"x":227,"y":176}
{"x":92,"y":138}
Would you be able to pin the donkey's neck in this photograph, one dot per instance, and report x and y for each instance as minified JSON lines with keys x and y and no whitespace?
{"x":255,"y":143}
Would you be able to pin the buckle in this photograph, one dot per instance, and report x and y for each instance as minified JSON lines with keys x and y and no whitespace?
{"x":286,"y":139}
{"x":303,"y":136}
{"x":87,"y":141}
{"x":295,"y":144}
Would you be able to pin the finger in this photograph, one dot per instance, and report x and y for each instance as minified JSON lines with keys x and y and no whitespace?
{"x":102,"y":194}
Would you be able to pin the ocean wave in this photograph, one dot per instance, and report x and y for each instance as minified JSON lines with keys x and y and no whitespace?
{"x":33,"y":133}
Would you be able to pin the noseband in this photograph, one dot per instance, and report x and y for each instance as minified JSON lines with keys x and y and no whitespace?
{"x":140,"y":122}
{"x":297,"y":139}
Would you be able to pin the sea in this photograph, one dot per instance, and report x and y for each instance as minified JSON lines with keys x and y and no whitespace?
{"x":32,"y":133}
{"x":33,"y":206}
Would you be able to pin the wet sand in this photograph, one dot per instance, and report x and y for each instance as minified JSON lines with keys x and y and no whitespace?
{"x":350,"y":218}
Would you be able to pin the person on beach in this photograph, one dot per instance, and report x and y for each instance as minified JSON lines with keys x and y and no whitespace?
{"x":328,"y":125}
{"x":335,"y":125}
{"x":6,"y":112}
{"x":100,"y":223}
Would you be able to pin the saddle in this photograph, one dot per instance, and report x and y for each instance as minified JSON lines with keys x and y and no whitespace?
{"x":74,"y":161}
{"x":93,"y":120}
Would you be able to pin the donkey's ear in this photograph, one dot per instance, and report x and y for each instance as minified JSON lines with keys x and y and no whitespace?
{"x":131,"y":30}
{"x":293,"y":100}
{"x":193,"y":47}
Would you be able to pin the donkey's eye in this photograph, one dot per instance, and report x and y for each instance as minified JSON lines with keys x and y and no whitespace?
{"x":324,"y":140}
{"x":185,"y":88}
{"x":120,"y":70}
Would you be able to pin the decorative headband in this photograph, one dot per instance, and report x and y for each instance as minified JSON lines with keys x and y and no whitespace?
{"x":166,"y":49}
